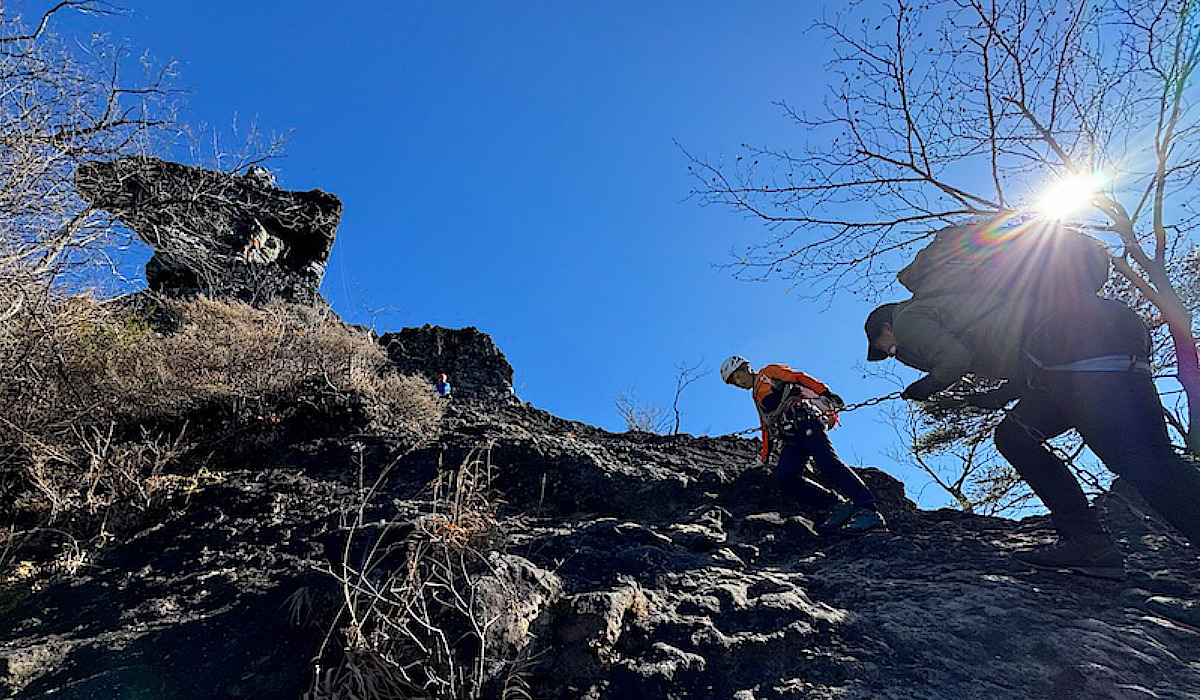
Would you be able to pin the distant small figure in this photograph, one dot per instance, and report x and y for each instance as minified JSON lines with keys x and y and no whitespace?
{"x":315,"y":269}
{"x":442,"y":387}
{"x":262,"y":247}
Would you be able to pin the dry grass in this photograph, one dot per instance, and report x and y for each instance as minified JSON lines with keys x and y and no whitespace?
{"x":95,"y":399}
{"x":229,"y":350}
{"x":463,"y":515}
{"x":411,"y":624}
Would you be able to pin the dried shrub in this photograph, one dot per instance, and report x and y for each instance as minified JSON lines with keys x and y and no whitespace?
{"x":411,"y":623}
{"x":285,"y":352}
{"x":95,"y":398}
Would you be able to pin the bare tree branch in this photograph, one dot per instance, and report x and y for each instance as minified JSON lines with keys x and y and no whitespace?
{"x":945,"y":110}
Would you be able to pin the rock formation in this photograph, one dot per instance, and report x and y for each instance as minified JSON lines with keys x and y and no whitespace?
{"x":620,"y":566}
{"x":476,"y":367}
{"x":215,"y":233}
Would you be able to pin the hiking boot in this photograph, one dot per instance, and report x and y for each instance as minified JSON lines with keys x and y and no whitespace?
{"x":1092,"y":555}
{"x":837,"y":518}
{"x":863,"y":520}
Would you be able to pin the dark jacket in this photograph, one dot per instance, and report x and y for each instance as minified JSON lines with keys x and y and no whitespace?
{"x":951,"y":334}
{"x":1094,"y":327}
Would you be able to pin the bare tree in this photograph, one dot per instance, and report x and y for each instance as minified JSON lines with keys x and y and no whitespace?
{"x":955,"y":455}
{"x":943,"y":110}
{"x":641,"y":416}
{"x":685,"y":375}
{"x":59,"y":108}
{"x":655,"y":418}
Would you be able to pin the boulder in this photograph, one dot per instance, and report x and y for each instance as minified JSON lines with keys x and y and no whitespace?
{"x":475,"y":366}
{"x":218,"y":234}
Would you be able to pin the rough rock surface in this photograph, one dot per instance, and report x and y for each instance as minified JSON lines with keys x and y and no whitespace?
{"x":219,"y":234}
{"x":627,"y":566}
{"x":475,"y":366}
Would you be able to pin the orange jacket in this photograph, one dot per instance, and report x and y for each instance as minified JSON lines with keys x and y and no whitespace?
{"x":769,"y":379}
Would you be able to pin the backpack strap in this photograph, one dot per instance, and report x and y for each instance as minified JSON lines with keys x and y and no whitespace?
{"x":1103,"y":363}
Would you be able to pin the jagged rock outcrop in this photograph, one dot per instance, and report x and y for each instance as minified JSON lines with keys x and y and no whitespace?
{"x":475,"y":366}
{"x":687,"y":575}
{"x":622,"y":566}
{"x":226,"y":236}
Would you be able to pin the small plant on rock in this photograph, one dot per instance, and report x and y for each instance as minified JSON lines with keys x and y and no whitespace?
{"x":414,"y":620}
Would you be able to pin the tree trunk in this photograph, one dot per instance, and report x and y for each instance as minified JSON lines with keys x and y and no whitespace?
{"x":1157,"y":287}
{"x":1187,"y":361}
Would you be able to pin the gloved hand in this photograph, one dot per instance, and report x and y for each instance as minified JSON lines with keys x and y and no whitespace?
{"x":922,"y":389}
{"x":835,"y":402}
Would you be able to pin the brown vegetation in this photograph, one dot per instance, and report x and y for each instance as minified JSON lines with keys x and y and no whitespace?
{"x":425,"y":611}
{"x":95,"y":399}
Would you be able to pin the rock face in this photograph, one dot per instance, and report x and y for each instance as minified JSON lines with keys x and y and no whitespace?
{"x":621,"y":566}
{"x":475,"y":366}
{"x":218,"y":234}
{"x":686,"y":575}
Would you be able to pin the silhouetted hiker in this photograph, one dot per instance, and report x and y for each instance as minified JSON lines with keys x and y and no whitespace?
{"x":978,"y":289}
{"x":1085,"y":368}
{"x":442,"y":387}
{"x":795,"y":410}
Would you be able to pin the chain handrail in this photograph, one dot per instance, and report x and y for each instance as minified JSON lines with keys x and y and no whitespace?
{"x":851,"y":407}
{"x":870,"y":402}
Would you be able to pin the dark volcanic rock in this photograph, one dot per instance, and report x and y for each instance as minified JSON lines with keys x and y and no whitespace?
{"x":221,"y":600}
{"x":215,"y":233}
{"x":625,"y":566}
{"x":686,"y":574}
{"x":475,"y":366}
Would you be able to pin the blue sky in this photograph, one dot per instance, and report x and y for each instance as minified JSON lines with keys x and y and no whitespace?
{"x":514,"y":166}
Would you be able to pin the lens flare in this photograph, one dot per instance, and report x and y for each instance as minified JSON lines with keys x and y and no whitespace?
{"x":1070,"y":196}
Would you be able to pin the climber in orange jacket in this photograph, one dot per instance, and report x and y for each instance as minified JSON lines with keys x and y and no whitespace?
{"x":796,"y":410}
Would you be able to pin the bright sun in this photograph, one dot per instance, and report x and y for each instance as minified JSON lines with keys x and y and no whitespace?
{"x":1070,"y":196}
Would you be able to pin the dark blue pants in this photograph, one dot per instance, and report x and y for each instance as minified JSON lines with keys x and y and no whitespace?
{"x":1119,"y":417}
{"x":810,"y":440}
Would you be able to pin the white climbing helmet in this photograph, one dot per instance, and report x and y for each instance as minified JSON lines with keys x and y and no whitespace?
{"x":731,"y":365}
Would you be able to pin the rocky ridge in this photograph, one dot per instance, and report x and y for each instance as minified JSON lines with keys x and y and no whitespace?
{"x":308,"y":552}
{"x":476,"y":367}
{"x":621,"y":566}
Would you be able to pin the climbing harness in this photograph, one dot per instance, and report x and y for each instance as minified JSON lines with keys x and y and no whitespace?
{"x":1104,"y":363}
{"x":850,"y":407}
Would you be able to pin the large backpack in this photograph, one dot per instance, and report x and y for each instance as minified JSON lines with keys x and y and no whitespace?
{"x":996,"y":283}
{"x":1039,"y":264}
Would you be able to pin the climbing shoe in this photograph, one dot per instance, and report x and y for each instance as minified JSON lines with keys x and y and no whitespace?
{"x":863,"y":520}
{"x":837,"y":518}
{"x":1092,"y":555}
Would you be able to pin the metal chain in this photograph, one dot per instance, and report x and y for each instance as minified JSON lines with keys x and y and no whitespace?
{"x":870,"y":402}
{"x":847,"y":409}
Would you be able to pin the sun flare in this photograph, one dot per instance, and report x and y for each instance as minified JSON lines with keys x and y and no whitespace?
{"x":1070,"y":195}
